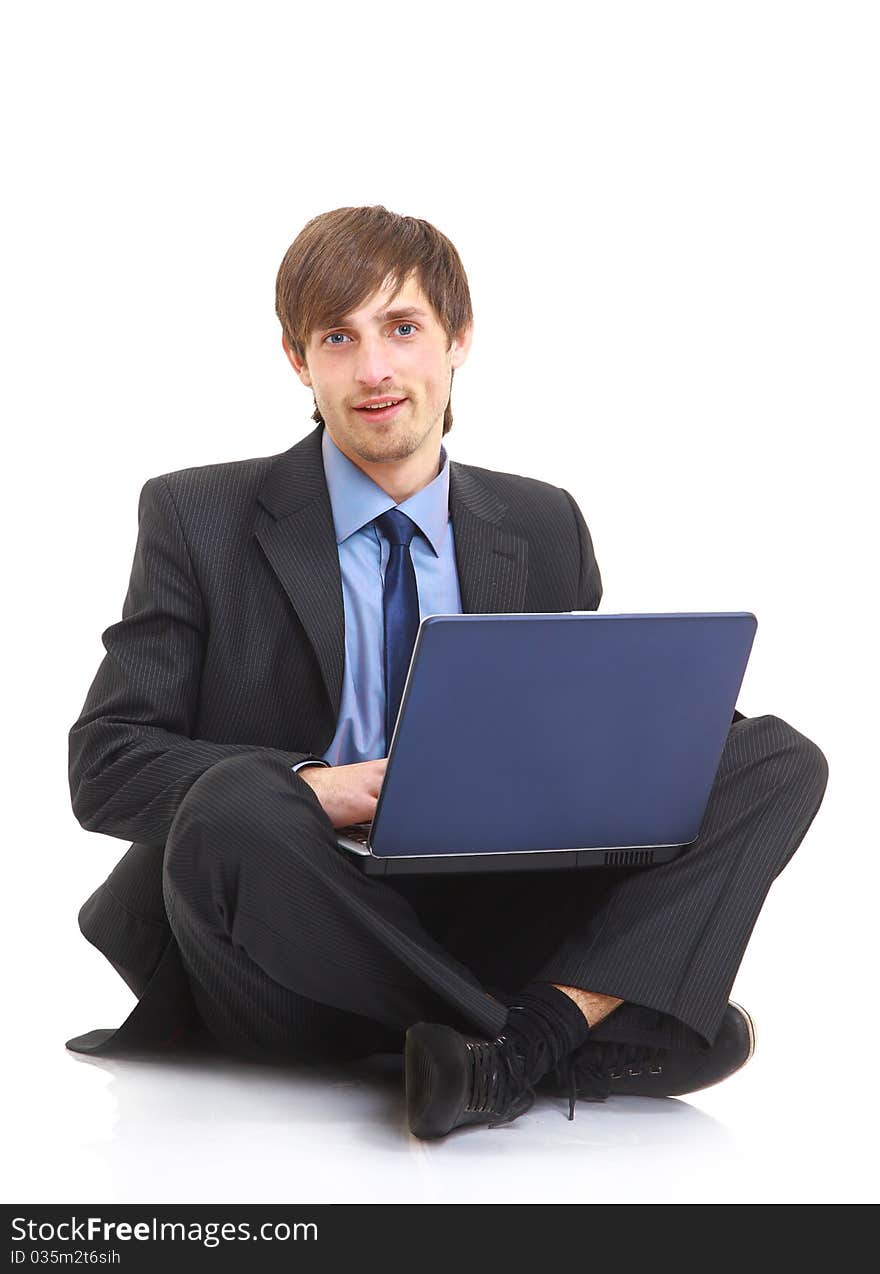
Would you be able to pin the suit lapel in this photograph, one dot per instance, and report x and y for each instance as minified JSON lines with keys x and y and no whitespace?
{"x":299,"y":541}
{"x":492,"y":562}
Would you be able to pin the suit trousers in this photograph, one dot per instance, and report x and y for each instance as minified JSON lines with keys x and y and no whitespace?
{"x":290,"y":949}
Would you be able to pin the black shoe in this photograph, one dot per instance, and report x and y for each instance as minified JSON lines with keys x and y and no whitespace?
{"x":454,"y":1079}
{"x":598,"y":1071}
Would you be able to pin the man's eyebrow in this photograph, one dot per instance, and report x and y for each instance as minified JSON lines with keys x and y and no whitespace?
{"x":406,"y":311}
{"x":400,"y":312}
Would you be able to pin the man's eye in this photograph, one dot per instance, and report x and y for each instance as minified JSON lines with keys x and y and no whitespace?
{"x":339,"y":338}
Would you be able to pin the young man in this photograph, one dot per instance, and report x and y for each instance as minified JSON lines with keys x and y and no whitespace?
{"x":242,"y":711}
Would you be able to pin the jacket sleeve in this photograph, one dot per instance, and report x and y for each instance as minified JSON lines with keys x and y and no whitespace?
{"x":590,"y":581}
{"x":131,"y":755}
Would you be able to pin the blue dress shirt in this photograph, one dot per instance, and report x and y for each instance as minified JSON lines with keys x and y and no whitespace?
{"x":363,"y":555}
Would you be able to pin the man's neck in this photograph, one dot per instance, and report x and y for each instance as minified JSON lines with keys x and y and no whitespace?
{"x":400,"y":486}
{"x":399,"y":479}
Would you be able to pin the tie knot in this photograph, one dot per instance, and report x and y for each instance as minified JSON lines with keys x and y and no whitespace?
{"x":396,"y":527}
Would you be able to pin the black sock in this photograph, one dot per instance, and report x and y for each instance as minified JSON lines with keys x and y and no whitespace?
{"x":556,"y":1012}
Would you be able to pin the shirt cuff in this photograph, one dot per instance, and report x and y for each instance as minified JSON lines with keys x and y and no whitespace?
{"x":315,"y":761}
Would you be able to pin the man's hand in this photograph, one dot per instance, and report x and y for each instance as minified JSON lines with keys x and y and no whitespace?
{"x":348,"y":793}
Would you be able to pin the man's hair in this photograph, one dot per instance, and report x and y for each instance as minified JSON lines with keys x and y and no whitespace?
{"x":339,"y":259}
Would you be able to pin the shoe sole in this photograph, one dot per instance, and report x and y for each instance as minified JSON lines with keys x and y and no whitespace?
{"x":752,"y":1030}
{"x":436,"y":1080}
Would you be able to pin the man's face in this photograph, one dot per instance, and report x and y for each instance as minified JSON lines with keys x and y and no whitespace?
{"x":388,"y":349}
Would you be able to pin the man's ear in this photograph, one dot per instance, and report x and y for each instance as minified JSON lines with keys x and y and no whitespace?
{"x":298,"y":365}
{"x":461,"y":345}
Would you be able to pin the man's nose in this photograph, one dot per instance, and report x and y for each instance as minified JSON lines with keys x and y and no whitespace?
{"x":373,"y":363}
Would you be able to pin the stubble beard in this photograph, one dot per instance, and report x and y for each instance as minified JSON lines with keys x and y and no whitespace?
{"x":384,"y":442}
{"x":378,"y":450}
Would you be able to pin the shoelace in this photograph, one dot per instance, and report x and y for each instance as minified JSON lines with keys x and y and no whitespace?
{"x":587,"y":1073}
{"x":506,"y":1069}
{"x":499,"y":1080}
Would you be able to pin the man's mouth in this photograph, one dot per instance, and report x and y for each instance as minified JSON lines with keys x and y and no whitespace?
{"x":381,"y":408}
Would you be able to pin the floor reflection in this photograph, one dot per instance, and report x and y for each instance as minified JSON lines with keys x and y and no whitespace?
{"x":208,"y":1128}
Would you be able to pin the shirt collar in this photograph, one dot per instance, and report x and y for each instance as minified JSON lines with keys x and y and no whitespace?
{"x":356,"y":499}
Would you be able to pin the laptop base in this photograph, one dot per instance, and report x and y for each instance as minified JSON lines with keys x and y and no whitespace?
{"x":544,"y":860}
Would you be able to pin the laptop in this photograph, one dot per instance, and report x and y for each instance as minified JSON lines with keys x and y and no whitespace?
{"x":563,"y":740}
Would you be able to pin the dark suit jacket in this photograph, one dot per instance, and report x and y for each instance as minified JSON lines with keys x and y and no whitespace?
{"x":232,"y":639}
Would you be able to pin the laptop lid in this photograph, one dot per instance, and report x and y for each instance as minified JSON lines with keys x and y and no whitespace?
{"x":540,"y":733}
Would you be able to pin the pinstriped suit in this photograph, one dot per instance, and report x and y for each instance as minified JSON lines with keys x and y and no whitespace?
{"x":234,"y":913}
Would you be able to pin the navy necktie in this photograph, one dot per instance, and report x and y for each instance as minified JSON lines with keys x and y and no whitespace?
{"x":400,"y":605}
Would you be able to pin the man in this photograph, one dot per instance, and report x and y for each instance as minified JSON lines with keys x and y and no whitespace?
{"x":242,"y":713}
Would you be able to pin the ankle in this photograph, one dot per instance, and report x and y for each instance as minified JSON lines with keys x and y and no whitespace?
{"x":541,"y":1010}
{"x":594,"y":1007}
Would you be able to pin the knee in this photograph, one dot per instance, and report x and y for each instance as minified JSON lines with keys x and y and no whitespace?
{"x":797,"y":759}
{"x":241,"y":801}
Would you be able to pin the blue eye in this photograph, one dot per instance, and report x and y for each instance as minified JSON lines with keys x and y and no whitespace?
{"x":339,"y":338}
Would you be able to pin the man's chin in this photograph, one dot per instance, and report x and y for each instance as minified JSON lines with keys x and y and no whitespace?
{"x":394,"y":450}
{"x":385,"y":445}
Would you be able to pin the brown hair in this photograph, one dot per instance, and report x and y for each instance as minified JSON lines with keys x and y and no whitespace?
{"x":341,"y":258}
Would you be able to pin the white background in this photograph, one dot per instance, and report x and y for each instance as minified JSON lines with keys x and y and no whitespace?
{"x":668,"y":214}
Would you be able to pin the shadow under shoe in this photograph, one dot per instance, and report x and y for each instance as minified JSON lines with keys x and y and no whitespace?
{"x":598,"y":1071}
{"x":454,"y":1079}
